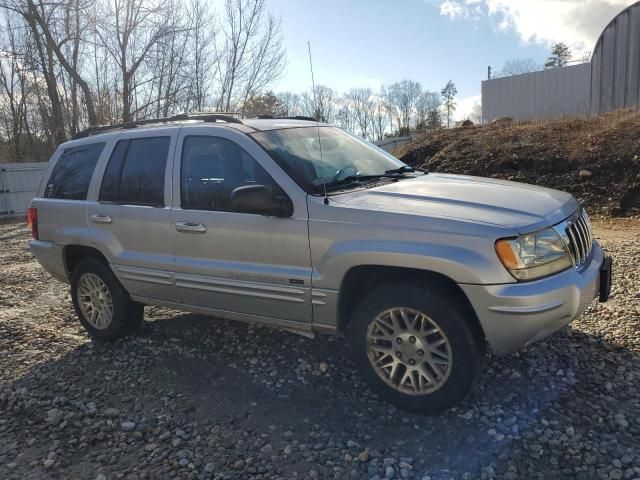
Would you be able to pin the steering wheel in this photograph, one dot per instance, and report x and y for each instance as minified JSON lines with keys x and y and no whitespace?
{"x":341,"y":171}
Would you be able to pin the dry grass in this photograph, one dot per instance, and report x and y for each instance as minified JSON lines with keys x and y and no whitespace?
{"x":549,"y":153}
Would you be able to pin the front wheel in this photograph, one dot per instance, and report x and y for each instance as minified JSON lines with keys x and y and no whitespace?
{"x":415,"y":347}
{"x":101,"y":303}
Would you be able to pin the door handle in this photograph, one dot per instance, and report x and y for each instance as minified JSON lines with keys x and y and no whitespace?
{"x":191,"y":227}
{"x":101,"y":218}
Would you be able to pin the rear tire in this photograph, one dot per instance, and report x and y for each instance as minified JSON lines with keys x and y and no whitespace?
{"x":103,"y":306}
{"x":415,"y":347}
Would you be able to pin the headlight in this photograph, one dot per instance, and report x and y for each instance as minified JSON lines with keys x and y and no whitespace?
{"x":534,"y":255}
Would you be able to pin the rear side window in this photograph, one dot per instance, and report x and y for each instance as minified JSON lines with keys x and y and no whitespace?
{"x":135,"y":173}
{"x":72,"y":172}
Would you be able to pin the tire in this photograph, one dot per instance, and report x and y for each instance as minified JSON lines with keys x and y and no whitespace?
{"x":91,"y":275}
{"x":381,"y":315}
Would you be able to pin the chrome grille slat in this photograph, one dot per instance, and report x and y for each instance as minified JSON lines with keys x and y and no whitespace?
{"x":583,"y":239}
{"x":587,"y":222}
{"x":579,"y":236}
{"x":574,"y":246}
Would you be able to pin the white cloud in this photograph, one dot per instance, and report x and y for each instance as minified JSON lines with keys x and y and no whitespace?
{"x":575,"y":22}
{"x":465,"y":106}
{"x":452,"y":8}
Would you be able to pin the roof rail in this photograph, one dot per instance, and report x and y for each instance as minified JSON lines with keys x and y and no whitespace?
{"x":202,"y":116}
{"x":297,"y":117}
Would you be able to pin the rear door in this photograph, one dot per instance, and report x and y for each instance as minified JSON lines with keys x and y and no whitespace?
{"x":252,"y":265}
{"x":129,"y":220}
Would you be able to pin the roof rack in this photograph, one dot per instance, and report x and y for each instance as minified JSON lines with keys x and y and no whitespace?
{"x":202,"y":116}
{"x":297,"y":117}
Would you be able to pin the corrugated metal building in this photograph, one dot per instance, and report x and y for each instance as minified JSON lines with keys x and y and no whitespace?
{"x":608,"y":82}
{"x":546,"y":94}
{"x":615,"y":63}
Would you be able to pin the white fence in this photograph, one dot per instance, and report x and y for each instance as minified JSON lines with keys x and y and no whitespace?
{"x":390,"y":144}
{"x":19,"y":183}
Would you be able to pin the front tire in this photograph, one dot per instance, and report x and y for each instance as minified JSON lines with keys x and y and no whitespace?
{"x":103,"y":306}
{"x":415,"y":347}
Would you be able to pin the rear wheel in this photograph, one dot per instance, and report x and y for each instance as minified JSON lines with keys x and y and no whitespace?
{"x":415,"y":347}
{"x":101,"y":303}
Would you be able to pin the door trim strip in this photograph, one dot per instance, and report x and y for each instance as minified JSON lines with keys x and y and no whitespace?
{"x":235,"y":287}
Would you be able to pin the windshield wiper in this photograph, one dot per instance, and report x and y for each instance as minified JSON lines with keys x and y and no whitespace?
{"x":406,"y":169}
{"x":396,"y":173}
{"x":402,"y":169}
{"x":357,"y":179}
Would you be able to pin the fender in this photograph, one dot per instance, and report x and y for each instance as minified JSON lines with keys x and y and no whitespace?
{"x":458,"y":263}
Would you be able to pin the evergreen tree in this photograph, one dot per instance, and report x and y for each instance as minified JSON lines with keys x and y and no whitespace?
{"x":560,"y":56}
{"x":449,"y":93}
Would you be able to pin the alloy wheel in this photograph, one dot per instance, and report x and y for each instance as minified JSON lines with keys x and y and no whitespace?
{"x":409,"y":351}
{"x":94,"y":299}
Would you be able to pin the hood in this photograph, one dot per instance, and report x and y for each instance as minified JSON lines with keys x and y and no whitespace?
{"x":519,"y":206}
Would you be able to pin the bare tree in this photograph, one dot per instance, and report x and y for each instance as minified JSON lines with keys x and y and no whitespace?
{"x":325,"y":103}
{"x":87,"y":62}
{"x":267,"y":61}
{"x":128,"y":30}
{"x":169,"y":64}
{"x":12,"y":88}
{"x":402,"y":97}
{"x":291,"y":102}
{"x":427,"y":106}
{"x":321,"y":105}
{"x":380,"y":117}
{"x":201,"y":47}
{"x":345,"y":114}
{"x":361,"y":102}
{"x":519,"y":66}
{"x":44,"y":19}
{"x":251,"y":55}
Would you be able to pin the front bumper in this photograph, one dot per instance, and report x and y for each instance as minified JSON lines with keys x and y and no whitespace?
{"x":518,"y":314}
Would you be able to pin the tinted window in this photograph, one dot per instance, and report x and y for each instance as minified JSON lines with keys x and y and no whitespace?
{"x":212,"y":168}
{"x":136,"y":170}
{"x":72,"y":172}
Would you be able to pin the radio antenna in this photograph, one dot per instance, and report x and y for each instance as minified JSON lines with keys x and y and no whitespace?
{"x":315,"y":106}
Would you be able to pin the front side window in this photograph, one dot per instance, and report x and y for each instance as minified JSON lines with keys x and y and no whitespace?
{"x":316,"y":157}
{"x":72,"y":172}
{"x":212,"y":167}
{"x":136,"y":171}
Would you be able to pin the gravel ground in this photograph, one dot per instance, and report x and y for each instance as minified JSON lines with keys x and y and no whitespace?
{"x":192,"y":397}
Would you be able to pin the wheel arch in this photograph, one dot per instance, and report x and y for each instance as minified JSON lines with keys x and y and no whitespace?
{"x":74,"y":254}
{"x":362,"y":278}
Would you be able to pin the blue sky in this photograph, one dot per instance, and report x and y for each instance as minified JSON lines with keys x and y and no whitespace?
{"x":358,"y":43}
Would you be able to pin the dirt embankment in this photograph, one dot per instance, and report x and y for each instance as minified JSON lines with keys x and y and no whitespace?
{"x":596,"y":159}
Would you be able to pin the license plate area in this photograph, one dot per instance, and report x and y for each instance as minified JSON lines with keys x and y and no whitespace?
{"x":605,"y":279}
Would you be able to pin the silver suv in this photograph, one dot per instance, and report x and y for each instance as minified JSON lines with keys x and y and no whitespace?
{"x":297,"y":224}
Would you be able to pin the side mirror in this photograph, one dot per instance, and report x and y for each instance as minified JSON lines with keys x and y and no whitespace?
{"x":258,"y":199}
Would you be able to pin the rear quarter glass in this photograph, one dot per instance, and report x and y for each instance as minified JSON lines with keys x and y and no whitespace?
{"x":71,"y":175}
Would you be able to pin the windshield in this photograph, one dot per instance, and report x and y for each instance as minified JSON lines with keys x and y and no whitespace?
{"x":344,"y":157}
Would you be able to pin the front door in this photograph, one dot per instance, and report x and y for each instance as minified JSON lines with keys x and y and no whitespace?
{"x":255,"y":266}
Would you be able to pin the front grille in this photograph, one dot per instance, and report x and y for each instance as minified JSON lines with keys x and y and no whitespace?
{"x":580,"y":238}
